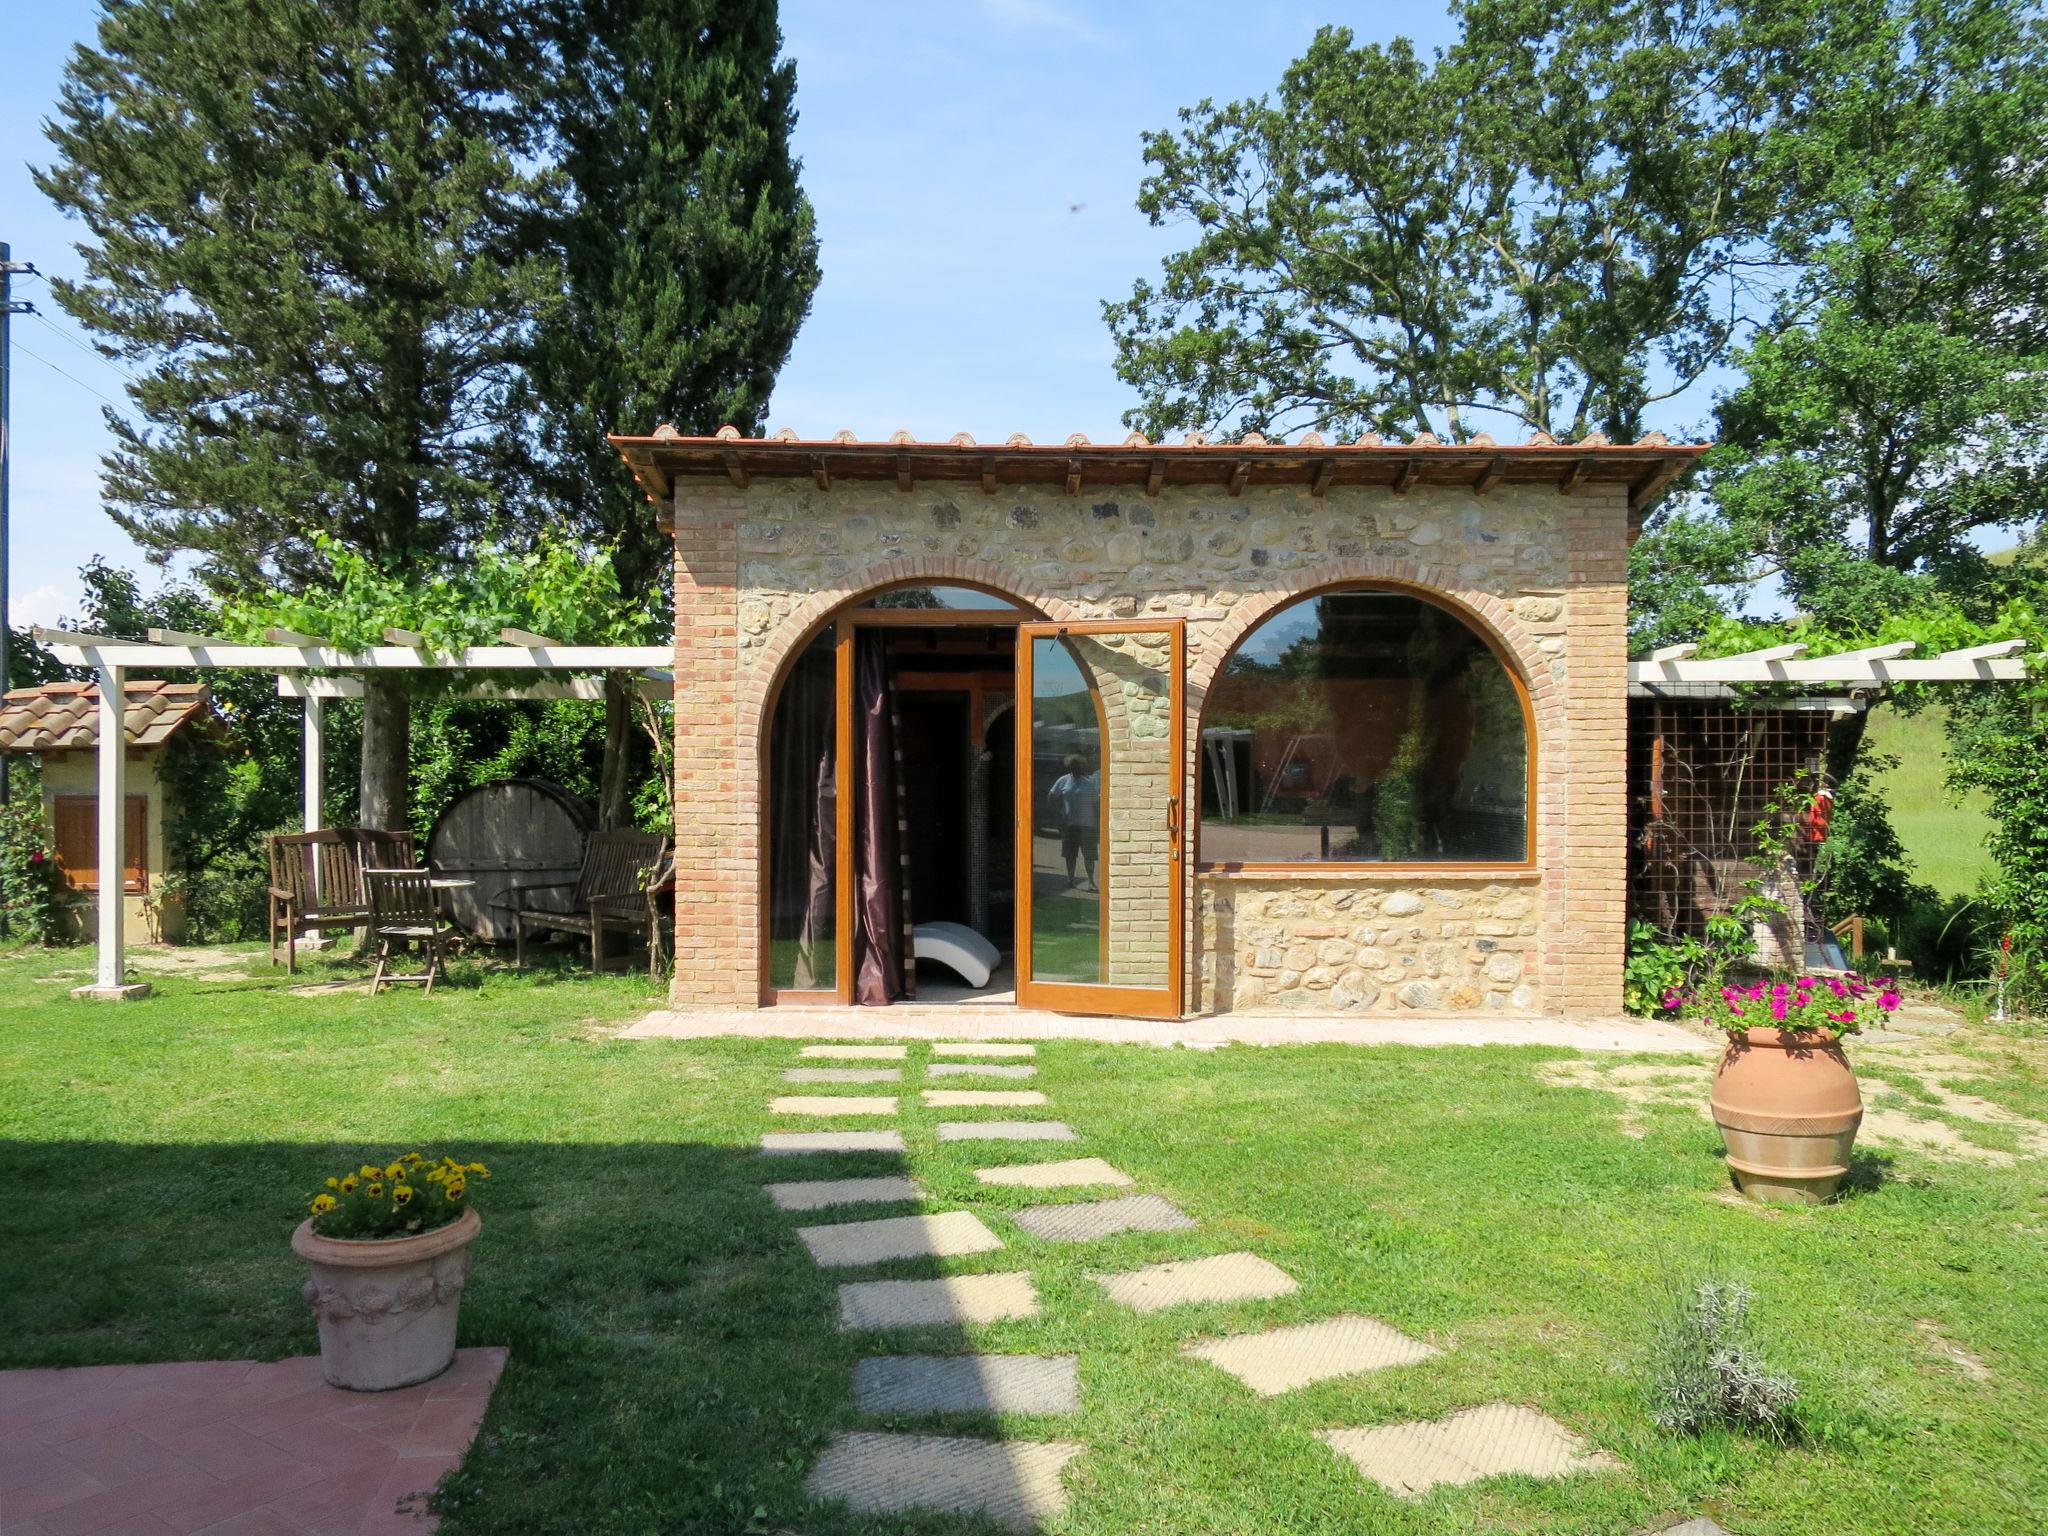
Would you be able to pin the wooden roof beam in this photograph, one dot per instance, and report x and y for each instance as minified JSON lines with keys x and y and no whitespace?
{"x":733,"y":472}
{"x":1406,"y":476}
{"x":1240,"y":472}
{"x":1496,"y":471}
{"x":1073,"y":477}
{"x":988,"y":474}
{"x":820,"y":475}
{"x":1155,"y":476}
{"x":1573,"y":477}
{"x":1326,"y":470}
{"x":1647,"y":489}
{"x":406,"y":637}
{"x":292,"y":637}
{"x":527,"y":638}
{"x":904,"y":479}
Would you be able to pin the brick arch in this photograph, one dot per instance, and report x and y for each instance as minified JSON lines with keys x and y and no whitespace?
{"x":800,"y":625}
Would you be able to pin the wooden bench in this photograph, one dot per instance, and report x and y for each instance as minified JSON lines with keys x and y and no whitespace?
{"x":316,"y":880}
{"x":619,"y":886}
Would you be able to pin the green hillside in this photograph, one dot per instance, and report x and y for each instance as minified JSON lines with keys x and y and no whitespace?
{"x":1944,"y":836}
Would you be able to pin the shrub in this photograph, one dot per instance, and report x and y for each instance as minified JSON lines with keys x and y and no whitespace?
{"x":1706,"y":1371}
{"x":30,"y":887}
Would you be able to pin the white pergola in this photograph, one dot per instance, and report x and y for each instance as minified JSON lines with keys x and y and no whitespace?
{"x":571,"y":672}
{"x":1874,"y":666}
{"x":568,"y":674}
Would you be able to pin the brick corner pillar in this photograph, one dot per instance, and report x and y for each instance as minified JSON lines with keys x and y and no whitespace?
{"x":716,"y":889}
{"x":1595,"y":884}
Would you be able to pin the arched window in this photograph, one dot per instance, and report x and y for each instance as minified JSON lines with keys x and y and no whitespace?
{"x":1365,"y":726}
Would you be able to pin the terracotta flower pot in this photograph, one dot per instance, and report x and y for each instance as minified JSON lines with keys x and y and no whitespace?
{"x":386,"y":1306}
{"x":1788,"y":1109}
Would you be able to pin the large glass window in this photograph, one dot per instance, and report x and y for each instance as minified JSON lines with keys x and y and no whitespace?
{"x":1368,"y":726}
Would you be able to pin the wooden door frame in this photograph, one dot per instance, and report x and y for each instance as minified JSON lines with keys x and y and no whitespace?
{"x":1168,"y":1000}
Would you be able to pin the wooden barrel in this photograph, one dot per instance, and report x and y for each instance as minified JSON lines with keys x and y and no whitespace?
{"x":504,"y":833}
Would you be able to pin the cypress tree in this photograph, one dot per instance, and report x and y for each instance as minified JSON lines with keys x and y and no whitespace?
{"x":689,"y":255}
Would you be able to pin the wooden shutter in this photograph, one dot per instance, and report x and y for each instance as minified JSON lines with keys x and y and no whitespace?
{"x":78,"y":843}
{"x":135,"y":847}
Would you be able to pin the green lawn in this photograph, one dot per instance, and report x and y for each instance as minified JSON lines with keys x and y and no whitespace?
{"x":1943,"y":833}
{"x":674,"y":1364}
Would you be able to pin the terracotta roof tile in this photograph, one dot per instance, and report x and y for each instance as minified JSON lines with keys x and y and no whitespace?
{"x":65,"y":716}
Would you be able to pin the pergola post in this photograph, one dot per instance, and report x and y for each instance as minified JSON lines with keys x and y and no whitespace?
{"x":313,"y":790}
{"x":313,"y":770}
{"x":111,"y":981}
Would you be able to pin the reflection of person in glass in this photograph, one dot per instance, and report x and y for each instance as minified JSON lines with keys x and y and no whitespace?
{"x":1076,"y":797}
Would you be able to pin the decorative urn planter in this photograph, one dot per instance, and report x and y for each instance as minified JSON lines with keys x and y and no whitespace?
{"x":386,"y":1306}
{"x":1788,"y":1108}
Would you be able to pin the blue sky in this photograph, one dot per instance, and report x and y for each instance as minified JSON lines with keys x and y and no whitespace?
{"x":973,"y":163}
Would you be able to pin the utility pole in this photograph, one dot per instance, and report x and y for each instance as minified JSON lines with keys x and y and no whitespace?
{"x":9,"y":307}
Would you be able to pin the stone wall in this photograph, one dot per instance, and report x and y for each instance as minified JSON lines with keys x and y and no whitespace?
{"x":1368,"y":946}
{"x":1542,"y":574}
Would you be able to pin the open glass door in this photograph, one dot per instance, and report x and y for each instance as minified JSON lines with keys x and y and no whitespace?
{"x":1099,"y":817}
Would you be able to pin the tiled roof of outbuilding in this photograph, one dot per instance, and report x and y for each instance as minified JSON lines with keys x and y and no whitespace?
{"x":65,"y":716}
{"x":1479,"y":463}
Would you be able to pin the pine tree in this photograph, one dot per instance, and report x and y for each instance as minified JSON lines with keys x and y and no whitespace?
{"x":689,"y":255}
{"x":305,"y":224}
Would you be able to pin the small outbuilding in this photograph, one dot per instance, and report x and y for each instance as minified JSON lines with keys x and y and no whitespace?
{"x":1178,"y":729}
{"x":58,"y":723}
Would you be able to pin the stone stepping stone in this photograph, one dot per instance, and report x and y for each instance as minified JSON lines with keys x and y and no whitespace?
{"x":1006,"y":1130}
{"x":981,"y":1048}
{"x":816,"y":1194}
{"x":926,"y":1303}
{"x":1060,"y":1175}
{"x":830,"y":1104}
{"x":1495,"y":1438}
{"x":1281,"y":1359}
{"x":848,"y":1244}
{"x":1181,"y":1282}
{"x":978,"y":1069}
{"x":1015,"y":1483}
{"x":1087,"y":1220}
{"x":777,"y":1143}
{"x":843,"y":1075}
{"x":855,"y":1052}
{"x":986,"y":1098}
{"x":968,"y":1384}
{"x":1698,"y":1525}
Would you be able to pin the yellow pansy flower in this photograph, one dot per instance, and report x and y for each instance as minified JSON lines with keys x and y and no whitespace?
{"x":436,"y":1175}
{"x":374,"y":1189}
{"x":454,"y":1188}
{"x":334,"y":1183}
{"x":479,"y":1170}
{"x":348,"y":1185}
{"x":322,"y":1204}
{"x":369,"y":1170}
{"x":395,"y":1171}
{"x":402,"y":1195}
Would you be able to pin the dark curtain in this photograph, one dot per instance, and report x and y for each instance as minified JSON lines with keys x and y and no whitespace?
{"x":882,"y":951}
{"x":803,"y":822}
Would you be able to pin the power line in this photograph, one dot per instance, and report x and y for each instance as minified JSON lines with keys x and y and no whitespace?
{"x":71,"y":376}
{"x":90,"y":351}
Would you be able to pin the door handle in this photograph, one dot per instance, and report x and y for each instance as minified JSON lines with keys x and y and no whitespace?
{"x":1173,"y":820}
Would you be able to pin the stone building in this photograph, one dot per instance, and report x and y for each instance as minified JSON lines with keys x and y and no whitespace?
{"x":1175,"y":728}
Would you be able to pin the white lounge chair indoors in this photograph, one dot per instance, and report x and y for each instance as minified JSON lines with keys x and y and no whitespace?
{"x":959,"y":947}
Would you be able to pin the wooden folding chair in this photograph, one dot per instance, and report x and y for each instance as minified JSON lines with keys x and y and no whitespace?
{"x":403,"y":911}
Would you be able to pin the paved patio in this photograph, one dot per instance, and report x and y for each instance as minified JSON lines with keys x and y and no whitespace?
{"x":230,"y":1448}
